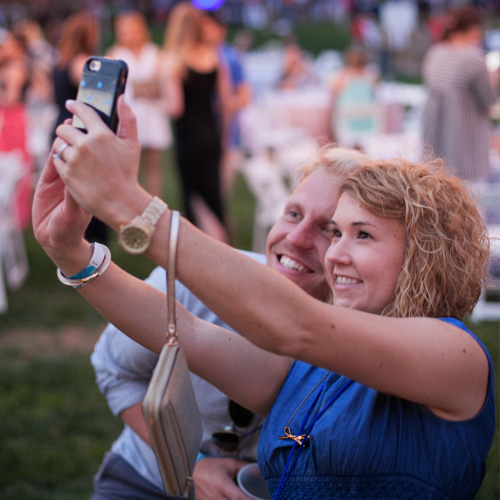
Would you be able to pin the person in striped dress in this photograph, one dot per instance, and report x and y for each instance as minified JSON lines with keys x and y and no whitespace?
{"x":456,"y":123}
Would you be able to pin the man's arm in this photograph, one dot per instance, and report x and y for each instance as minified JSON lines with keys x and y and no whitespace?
{"x":134,"y":418}
{"x":123,"y":370}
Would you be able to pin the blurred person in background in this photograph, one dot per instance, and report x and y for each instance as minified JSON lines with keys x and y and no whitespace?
{"x":40,"y":95}
{"x":241,"y":96}
{"x":147,"y":89}
{"x":15,"y":79}
{"x":456,"y":122}
{"x":297,"y":71}
{"x":79,"y":38}
{"x":356,"y":69}
{"x":38,"y":48}
{"x":198,"y":89}
{"x":353,"y":96}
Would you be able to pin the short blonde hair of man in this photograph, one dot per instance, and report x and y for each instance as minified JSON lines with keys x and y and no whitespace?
{"x":337,"y":160}
{"x":447,"y":252}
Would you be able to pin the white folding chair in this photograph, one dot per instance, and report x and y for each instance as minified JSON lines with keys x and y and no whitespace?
{"x":263,"y":177}
{"x":489,"y":310}
{"x":295,"y":154}
{"x":407,"y":145}
{"x":13,"y":259}
{"x":489,"y":203}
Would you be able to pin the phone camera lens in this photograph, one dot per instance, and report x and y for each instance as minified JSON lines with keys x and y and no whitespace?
{"x":95,"y":65}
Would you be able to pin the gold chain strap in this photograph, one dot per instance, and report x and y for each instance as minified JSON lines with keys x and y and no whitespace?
{"x":172,"y":338}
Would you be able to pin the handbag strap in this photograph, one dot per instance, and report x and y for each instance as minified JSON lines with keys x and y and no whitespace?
{"x":172,"y":338}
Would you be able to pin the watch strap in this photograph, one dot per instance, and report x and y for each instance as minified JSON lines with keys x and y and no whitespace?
{"x":145,"y":223}
{"x":154,"y":211}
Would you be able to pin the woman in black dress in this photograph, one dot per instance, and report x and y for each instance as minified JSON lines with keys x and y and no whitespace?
{"x":199,"y":86}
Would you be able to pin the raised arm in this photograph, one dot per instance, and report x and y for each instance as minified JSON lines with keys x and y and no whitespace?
{"x":228,"y":361}
{"x":244,"y":372}
{"x":423,"y":360}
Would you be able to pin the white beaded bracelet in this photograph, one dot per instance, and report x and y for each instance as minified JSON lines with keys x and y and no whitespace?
{"x":99,"y":262}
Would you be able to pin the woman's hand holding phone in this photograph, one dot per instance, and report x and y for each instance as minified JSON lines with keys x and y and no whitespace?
{"x":103,"y":82}
{"x":98,"y":165}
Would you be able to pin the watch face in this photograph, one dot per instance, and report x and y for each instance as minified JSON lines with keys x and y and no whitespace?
{"x":135,"y":239}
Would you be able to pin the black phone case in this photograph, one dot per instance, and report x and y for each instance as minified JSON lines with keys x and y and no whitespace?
{"x":101,"y":89}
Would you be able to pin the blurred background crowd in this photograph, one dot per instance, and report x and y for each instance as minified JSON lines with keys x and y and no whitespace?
{"x":252,"y":88}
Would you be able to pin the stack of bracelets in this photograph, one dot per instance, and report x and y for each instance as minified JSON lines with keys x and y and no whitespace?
{"x":101,"y":257}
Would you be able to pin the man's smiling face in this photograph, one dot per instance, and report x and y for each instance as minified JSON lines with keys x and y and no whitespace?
{"x":297,"y":243}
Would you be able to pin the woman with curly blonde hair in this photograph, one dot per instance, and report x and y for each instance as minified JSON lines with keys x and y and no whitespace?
{"x":444,"y":272}
{"x":384,"y":394}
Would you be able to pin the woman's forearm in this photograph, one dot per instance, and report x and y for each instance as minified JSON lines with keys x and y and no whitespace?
{"x":235,"y":366}
{"x":265,"y":306}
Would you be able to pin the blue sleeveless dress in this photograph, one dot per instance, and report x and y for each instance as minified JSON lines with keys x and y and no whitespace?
{"x":369,"y":445}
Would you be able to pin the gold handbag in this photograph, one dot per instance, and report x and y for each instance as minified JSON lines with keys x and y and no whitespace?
{"x":170,"y":408}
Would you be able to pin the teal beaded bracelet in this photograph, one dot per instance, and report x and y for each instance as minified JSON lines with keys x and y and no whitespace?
{"x":99,"y":262}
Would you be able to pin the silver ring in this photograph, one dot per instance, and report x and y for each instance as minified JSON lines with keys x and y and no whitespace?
{"x":59,"y":153}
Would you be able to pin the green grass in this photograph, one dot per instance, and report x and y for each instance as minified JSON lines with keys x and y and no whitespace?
{"x":313,"y":37}
{"x":55,"y":427}
{"x":489,"y":333}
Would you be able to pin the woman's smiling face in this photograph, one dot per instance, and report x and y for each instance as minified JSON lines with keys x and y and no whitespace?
{"x":365,"y":257}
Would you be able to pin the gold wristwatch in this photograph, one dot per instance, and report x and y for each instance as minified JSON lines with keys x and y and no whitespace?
{"x":135,"y":237}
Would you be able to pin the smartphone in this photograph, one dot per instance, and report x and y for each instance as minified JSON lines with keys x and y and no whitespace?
{"x":103,"y":81}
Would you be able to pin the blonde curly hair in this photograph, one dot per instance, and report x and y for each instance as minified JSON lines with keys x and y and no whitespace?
{"x":447,"y":252}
